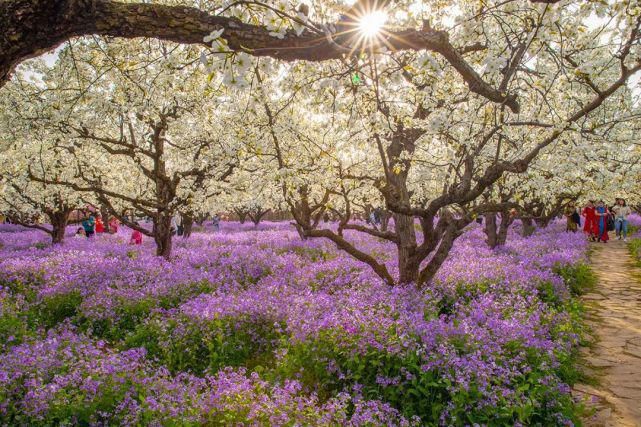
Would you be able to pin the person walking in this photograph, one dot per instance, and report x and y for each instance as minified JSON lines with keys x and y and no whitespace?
{"x":173,"y":225}
{"x":377,"y":216}
{"x":372,"y":218}
{"x":590,"y":226}
{"x":89,"y":225}
{"x":621,"y":213}
{"x":215,"y":222}
{"x":100,"y":226}
{"x":611,"y":208}
{"x":178,"y":221}
{"x":572,"y":217}
{"x":602,"y":214}
{"x":136,"y":237}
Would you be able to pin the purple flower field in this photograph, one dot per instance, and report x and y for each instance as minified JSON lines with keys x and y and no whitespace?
{"x":252,"y":326}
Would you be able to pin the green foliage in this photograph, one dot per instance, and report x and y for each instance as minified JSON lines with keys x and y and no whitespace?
{"x":634,"y":246}
{"x":13,"y":328}
{"x":27,"y":287}
{"x":54,"y":309}
{"x":578,"y":277}
{"x":547,"y":293}
{"x":127,"y":317}
{"x":464,"y":292}
{"x":73,"y":406}
{"x":182,"y":345}
{"x":403,"y":381}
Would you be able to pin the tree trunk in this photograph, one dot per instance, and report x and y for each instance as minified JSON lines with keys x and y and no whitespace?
{"x":300,"y":231}
{"x":439,"y":256}
{"x":497,"y":234}
{"x":504,"y":225}
{"x":408,"y":268}
{"x":59,"y":226}
{"x":528,"y":227}
{"x":163,"y":235}
{"x":385,"y":217}
{"x":242,"y":217}
{"x":490,"y":230}
{"x":257,"y":216}
{"x":188,"y":225}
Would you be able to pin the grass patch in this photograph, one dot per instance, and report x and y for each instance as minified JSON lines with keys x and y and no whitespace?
{"x":634,"y":246}
{"x":54,"y":309}
{"x":579,"y":278}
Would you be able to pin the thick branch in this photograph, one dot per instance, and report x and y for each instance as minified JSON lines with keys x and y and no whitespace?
{"x":343,"y":244}
{"x":32,"y":27}
{"x":387,"y":235}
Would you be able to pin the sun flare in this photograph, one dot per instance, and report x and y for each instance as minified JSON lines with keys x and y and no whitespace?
{"x":372,"y":23}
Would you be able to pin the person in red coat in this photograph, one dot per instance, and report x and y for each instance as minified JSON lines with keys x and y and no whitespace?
{"x":136,"y":237}
{"x":590,"y":226}
{"x":100,"y":226}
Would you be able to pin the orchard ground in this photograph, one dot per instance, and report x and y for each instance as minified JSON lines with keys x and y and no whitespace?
{"x":251,"y":325}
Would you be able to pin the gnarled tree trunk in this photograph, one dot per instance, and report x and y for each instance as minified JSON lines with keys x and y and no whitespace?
{"x":163,"y":235}
{"x":504,"y":226}
{"x":491,"y":230}
{"x":58,"y":221}
{"x":496,"y":232}
{"x":104,"y":212}
{"x":385,"y":217}
{"x":408,"y":267}
{"x":242,"y":215}
{"x":257,"y":215}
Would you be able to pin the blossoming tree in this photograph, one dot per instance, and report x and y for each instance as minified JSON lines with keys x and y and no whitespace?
{"x":134,"y":133}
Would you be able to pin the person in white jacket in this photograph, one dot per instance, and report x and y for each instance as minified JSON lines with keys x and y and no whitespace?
{"x":621,"y":212}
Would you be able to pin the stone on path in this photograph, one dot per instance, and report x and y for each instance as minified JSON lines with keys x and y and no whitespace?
{"x":615,"y":317}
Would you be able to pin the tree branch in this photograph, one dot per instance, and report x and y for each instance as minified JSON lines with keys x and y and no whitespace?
{"x":32,"y":27}
{"x":343,"y":244}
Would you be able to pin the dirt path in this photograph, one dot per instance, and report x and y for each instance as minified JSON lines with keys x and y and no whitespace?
{"x":615,"y":317}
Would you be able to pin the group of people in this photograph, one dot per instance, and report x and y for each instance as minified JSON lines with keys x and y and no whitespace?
{"x":599,"y":219}
{"x":94,"y":224}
